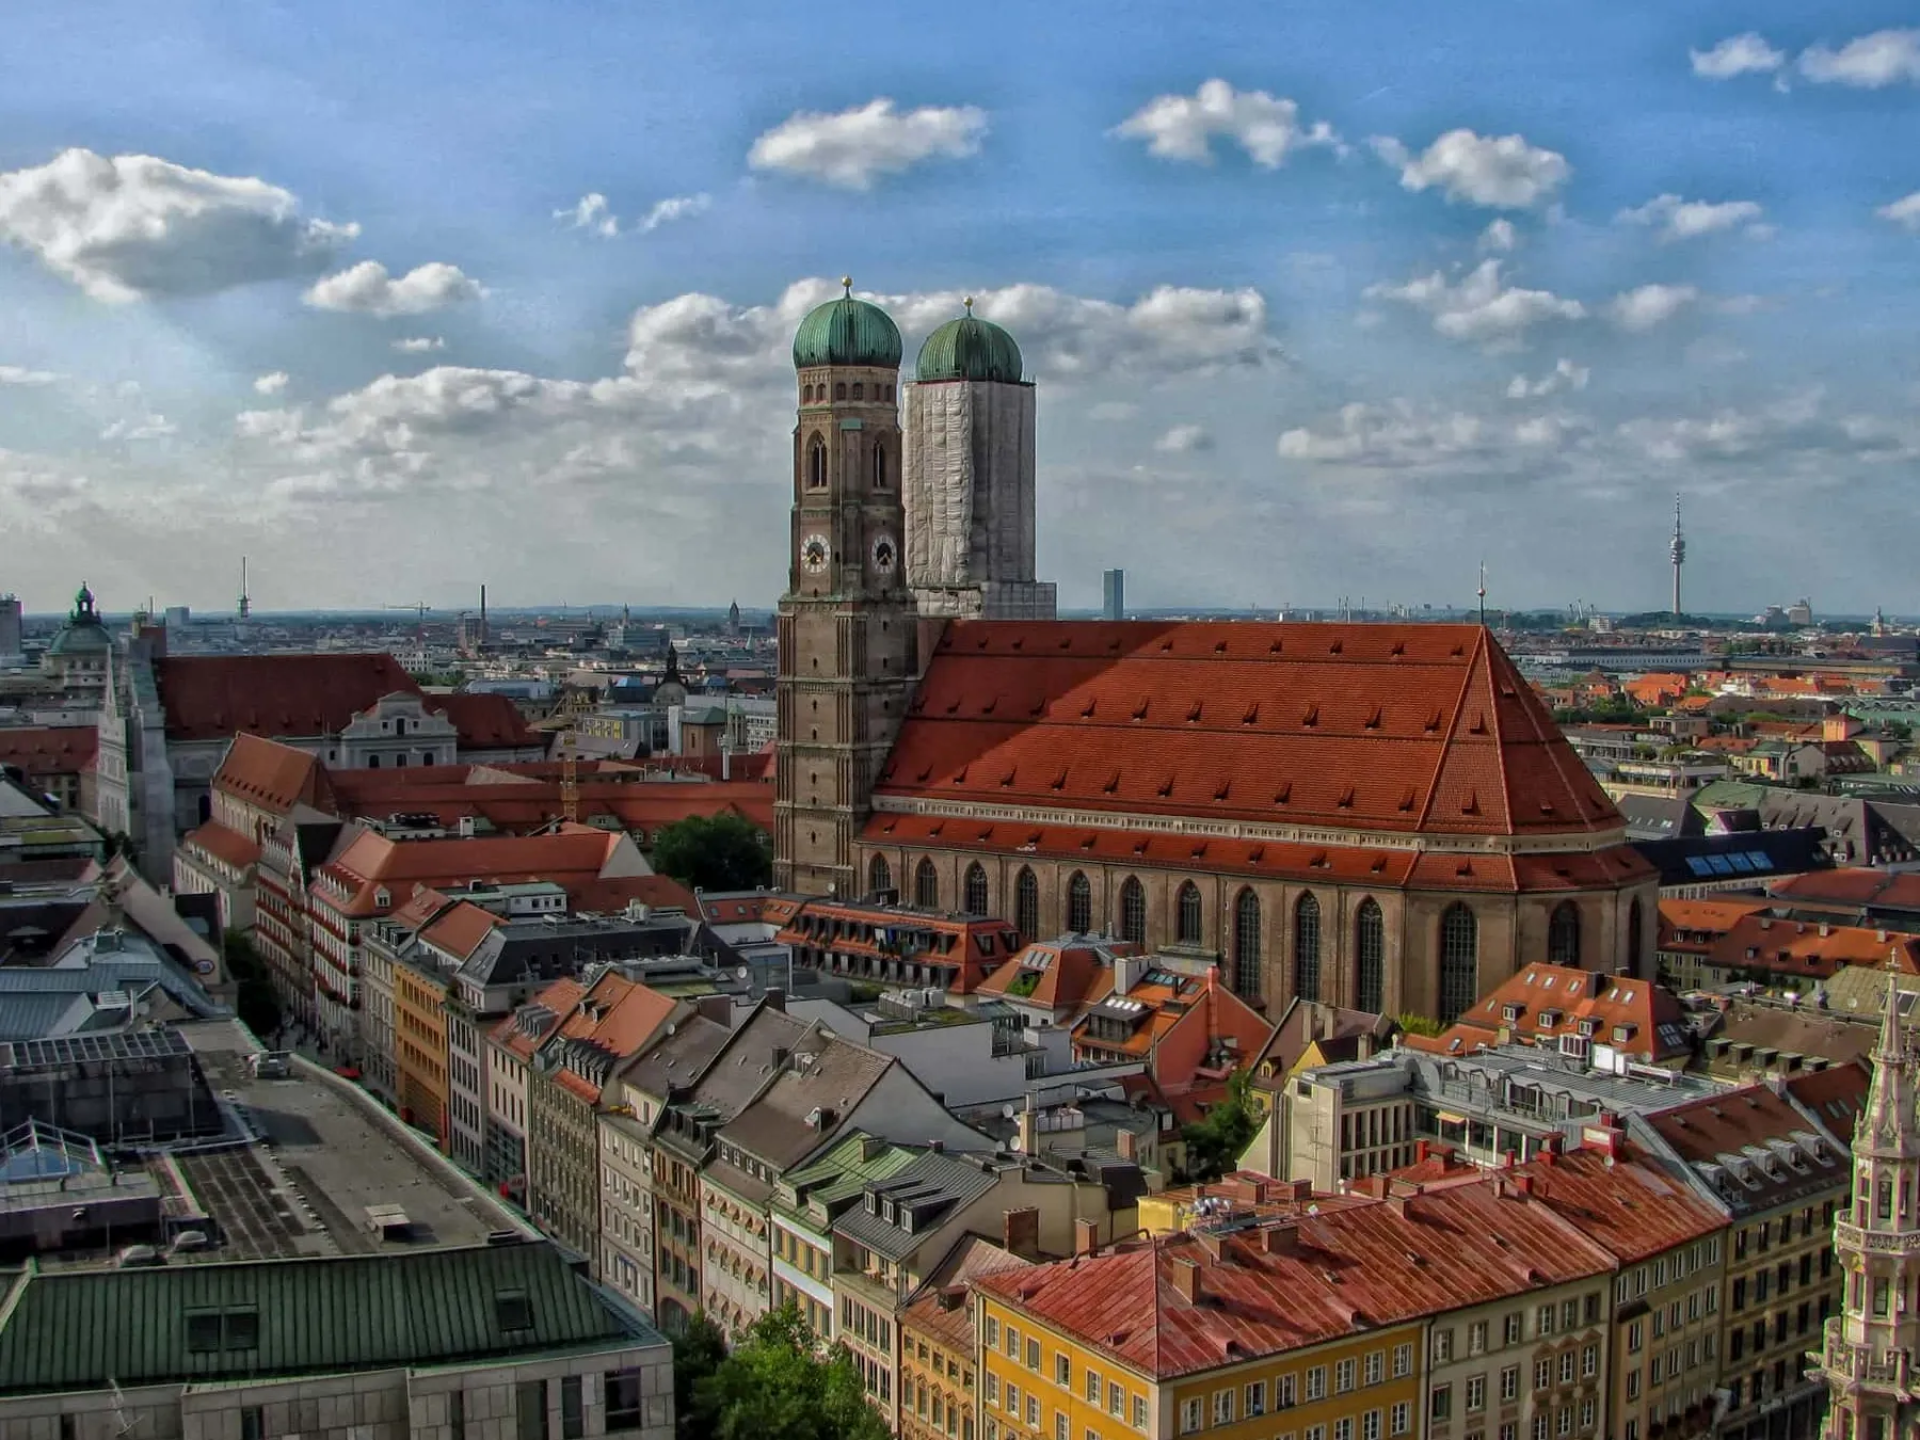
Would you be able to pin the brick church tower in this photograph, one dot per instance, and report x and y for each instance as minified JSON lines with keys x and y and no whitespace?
{"x":847,"y":622}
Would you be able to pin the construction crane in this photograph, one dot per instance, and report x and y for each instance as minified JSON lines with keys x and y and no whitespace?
{"x":420,"y":609}
{"x":571,"y":707}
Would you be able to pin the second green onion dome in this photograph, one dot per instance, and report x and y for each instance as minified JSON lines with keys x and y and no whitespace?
{"x":969,"y":348}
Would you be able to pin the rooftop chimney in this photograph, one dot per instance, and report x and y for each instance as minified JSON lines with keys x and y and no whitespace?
{"x":1186,"y":1278}
{"x":1280,"y":1239}
{"x":1086,"y":1237}
{"x":1020,"y":1232}
{"x":1028,"y":1142}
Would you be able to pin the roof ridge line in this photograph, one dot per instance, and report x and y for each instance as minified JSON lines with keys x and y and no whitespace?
{"x":1446,"y":748}
{"x":1483,"y":656}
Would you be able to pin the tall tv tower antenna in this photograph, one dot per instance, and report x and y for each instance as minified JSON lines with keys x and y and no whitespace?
{"x":1677,"y":550}
{"x":1482,"y":592}
{"x":245,"y":606}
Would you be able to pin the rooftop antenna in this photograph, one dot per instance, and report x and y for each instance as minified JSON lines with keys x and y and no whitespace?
{"x":1482,"y":592}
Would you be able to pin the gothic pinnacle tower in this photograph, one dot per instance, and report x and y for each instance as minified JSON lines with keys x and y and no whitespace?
{"x":1867,"y":1350}
{"x":1677,"y":551}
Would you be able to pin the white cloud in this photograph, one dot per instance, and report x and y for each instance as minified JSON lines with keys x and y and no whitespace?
{"x":1565,"y":375}
{"x":143,"y":427}
{"x":590,"y":212}
{"x":1402,"y":436}
{"x":1747,"y":54}
{"x":1183,"y":127}
{"x":1872,"y":62}
{"x":855,"y":147}
{"x":1480,"y":306}
{"x":368,"y":289}
{"x":1649,"y":306}
{"x":1113,"y":410}
{"x":132,"y":227}
{"x":1499,"y":236}
{"x":674,"y":207}
{"x":271,"y":384}
{"x":20,"y":375}
{"x":418,"y":344}
{"x":1502,"y":172}
{"x":1904,"y":212}
{"x":1795,"y":426}
{"x":1184,"y":440}
{"x":1679,"y":219}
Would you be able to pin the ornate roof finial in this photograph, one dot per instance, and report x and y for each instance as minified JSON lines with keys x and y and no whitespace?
{"x":968,"y":302}
{"x":846,"y":283}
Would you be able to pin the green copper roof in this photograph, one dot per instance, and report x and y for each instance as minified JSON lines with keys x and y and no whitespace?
{"x":847,"y":332}
{"x":70,"y":1330}
{"x":969,"y":348}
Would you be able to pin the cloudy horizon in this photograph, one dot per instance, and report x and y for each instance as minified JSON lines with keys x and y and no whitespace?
{"x":1318,"y":305}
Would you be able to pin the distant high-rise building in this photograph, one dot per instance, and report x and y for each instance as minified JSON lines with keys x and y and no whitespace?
{"x":10,"y":641}
{"x":1113,"y":590}
{"x":1677,"y":552}
{"x":178,"y":616}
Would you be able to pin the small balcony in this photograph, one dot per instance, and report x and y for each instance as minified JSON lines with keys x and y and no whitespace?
{"x":1840,"y":1361}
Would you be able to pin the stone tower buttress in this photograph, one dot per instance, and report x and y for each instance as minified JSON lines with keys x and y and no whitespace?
{"x":1869,"y":1350}
{"x":846,"y":623}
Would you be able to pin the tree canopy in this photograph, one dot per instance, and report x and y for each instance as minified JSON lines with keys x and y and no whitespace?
{"x":775,"y":1385}
{"x":1215,"y":1141}
{"x":714,"y":852}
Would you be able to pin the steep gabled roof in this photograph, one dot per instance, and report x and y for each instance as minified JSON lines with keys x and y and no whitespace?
{"x":49,"y":750}
{"x":210,"y":697}
{"x":272,"y":776}
{"x":1423,"y":729}
{"x":486,"y":721}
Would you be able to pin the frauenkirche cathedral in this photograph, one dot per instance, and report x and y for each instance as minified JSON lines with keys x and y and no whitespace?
{"x":1379,"y":816}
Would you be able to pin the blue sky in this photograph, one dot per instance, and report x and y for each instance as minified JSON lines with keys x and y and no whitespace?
{"x":1322,"y":299}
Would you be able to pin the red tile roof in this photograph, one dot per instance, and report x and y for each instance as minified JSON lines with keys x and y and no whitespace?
{"x":1836,"y":1096}
{"x":937,"y":1309}
{"x":486,"y":721}
{"x":1635,"y":1017}
{"x":1742,"y":1125}
{"x":968,"y":945}
{"x":229,"y":846}
{"x":568,"y":857}
{"x":50,"y":750}
{"x":610,"y":894}
{"x":272,"y":776}
{"x":558,"y":999}
{"x":1608,"y":868}
{"x":1691,"y":927}
{"x":1368,"y":1265}
{"x":210,"y":697}
{"x":1804,"y":948}
{"x":1627,"y":1206}
{"x":451,"y":793}
{"x":1406,"y":728}
{"x":616,"y":1015}
{"x":460,"y":930}
{"x":1061,"y":976}
{"x":1894,"y":890}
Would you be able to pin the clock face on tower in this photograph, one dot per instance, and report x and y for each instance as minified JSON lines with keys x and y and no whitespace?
{"x":885,"y":555}
{"x":813,"y":553}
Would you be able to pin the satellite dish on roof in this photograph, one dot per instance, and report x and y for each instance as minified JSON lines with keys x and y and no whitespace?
{"x":1007,"y":1111}
{"x":741,"y":973}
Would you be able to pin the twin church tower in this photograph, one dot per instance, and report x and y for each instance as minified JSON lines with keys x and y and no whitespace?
{"x":893,"y":529}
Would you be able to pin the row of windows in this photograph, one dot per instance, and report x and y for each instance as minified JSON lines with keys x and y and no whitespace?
{"x":1459,"y":932}
{"x":1569,"y":1314}
{"x":817,"y":465}
{"x":1398,"y":1418}
{"x":817,"y":394}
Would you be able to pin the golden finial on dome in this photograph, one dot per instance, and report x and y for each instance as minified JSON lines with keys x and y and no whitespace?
{"x":968,"y":302}
{"x":846,"y":283}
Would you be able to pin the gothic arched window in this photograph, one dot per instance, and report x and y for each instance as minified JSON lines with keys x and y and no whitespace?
{"x":879,"y":465}
{"x":1563,"y":934}
{"x":1459,"y":962}
{"x":976,"y":890}
{"x":1133,"y":911}
{"x":840,"y":390}
{"x":1026,"y":905}
{"x":1188,"y":917}
{"x":1246,"y":945}
{"x":1306,"y":948}
{"x":926,"y":885}
{"x":817,"y":464}
{"x":859,"y":391}
{"x":1370,"y":953}
{"x":1079,"y":904}
{"x":879,"y":875}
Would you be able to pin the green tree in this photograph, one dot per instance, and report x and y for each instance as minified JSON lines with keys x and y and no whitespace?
{"x":1419,"y":1024}
{"x":699,"y":1350}
{"x":776,"y":1385}
{"x":254,"y":998}
{"x":714,"y":852}
{"x":1215,"y":1141}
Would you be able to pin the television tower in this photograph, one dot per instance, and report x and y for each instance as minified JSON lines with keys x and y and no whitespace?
{"x":246,"y":603}
{"x":1677,"y":551}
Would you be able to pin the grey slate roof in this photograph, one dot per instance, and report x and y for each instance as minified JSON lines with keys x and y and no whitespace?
{"x":781,"y":1128}
{"x":70,"y":1330}
{"x":37,"y":1002}
{"x":923,"y":1195}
